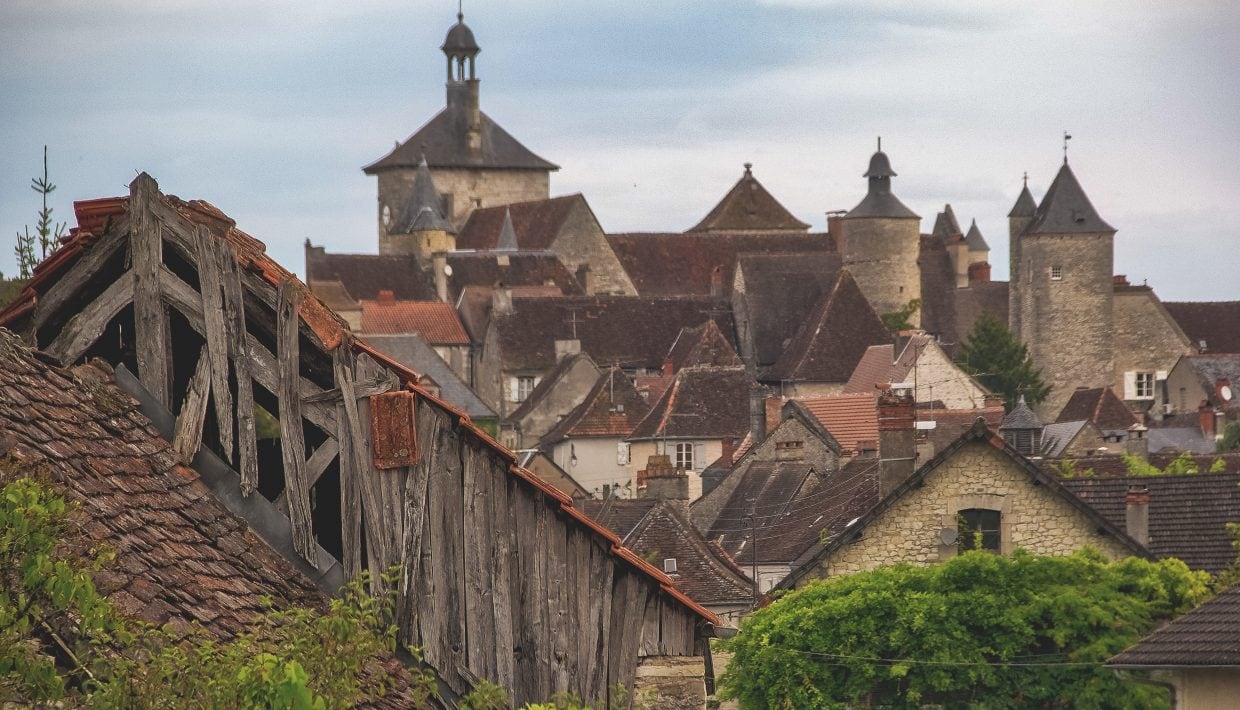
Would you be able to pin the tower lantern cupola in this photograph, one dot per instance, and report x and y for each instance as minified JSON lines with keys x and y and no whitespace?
{"x":460,"y":47}
{"x":1022,"y":429}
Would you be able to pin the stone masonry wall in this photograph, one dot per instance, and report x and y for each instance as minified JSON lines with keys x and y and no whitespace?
{"x":581,"y":241}
{"x":1068,"y":324}
{"x":882,"y":254}
{"x":1146,"y":338}
{"x":938,"y":378}
{"x":470,"y":188}
{"x":977,"y":476}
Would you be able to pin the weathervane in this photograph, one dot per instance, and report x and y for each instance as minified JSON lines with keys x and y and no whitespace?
{"x":1066,"y":137}
{"x":1025,"y":177}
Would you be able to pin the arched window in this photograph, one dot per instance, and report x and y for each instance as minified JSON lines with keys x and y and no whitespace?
{"x":979,"y":529}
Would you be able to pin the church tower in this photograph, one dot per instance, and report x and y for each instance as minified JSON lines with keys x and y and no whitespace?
{"x":1063,"y":291}
{"x":880,"y":242}
{"x":474,"y":162}
{"x":1019,"y":218}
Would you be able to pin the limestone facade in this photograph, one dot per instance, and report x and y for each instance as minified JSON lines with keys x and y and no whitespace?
{"x":978,"y":475}
{"x":1147,"y":340}
{"x":581,"y":241}
{"x":881,"y":254}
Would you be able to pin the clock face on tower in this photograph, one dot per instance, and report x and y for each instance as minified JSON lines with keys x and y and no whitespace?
{"x":387,"y":215}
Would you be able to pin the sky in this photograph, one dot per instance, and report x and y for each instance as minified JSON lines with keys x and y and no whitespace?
{"x":269,"y":110}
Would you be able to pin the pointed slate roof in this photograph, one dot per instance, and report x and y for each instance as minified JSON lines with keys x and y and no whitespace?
{"x":1025,"y":205}
{"x":421,"y":211}
{"x":1021,"y":417}
{"x":974,"y":239}
{"x":834,"y":338}
{"x":532,"y":225}
{"x":507,"y":235}
{"x":701,"y":403}
{"x":613,"y":407}
{"x":442,"y":141}
{"x":1065,"y":209}
{"x":945,"y":224}
{"x":1099,"y":405}
{"x":879,"y":200}
{"x":749,"y":207}
{"x":702,"y":344}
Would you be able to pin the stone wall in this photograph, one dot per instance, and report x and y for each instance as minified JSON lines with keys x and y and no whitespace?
{"x":882,"y":254}
{"x":672,"y":682}
{"x":468,"y":188}
{"x":581,"y":241}
{"x":1068,"y":323}
{"x":596,"y":464}
{"x":1147,"y":339}
{"x":1184,"y":390}
{"x":976,"y":476}
{"x":563,"y":397}
{"x":938,"y":378}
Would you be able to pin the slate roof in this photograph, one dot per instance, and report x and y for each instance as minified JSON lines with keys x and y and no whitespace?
{"x":1206,"y":637}
{"x":975,"y":240}
{"x":851,"y":418}
{"x":833,"y":338}
{"x":748,"y":207}
{"x":1179,"y":439}
{"x":364,"y":275}
{"x":780,"y":292}
{"x":945,"y":224}
{"x":442,"y":141}
{"x":684,"y":264}
{"x":1188,"y":515}
{"x":794,"y":507}
{"x":411,"y":350}
{"x":536,"y":223}
{"x":1021,"y":417}
{"x":1211,"y":369}
{"x":524,"y":268}
{"x":702,"y":403}
{"x":436,"y":321}
{"x":879,"y":201}
{"x":702,"y":345}
{"x":704,"y":571}
{"x":1025,"y":205}
{"x":423,"y":206}
{"x":938,"y":289}
{"x":626,"y":330}
{"x":978,"y":433}
{"x":1215,"y":322}
{"x":620,"y":515}
{"x":611,"y":408}
{"x":1065,"y":209}
{"x":1099,"y":405}
{"x":1058,"y":436}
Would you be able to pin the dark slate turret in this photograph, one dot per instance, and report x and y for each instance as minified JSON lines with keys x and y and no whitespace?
{"x":974,"y":239}
{"x":423,"y":210}
{"x":1025,"y":205}
{"x":1066,"y":209}
{"x":879,"y":201}
{"x":945,"y":224}
{"x":507,"y":235}
{"x":1022,"y":429}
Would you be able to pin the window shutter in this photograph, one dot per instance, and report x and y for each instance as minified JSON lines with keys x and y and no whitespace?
{"x":622,"y":453}
{"x":699,"y":453}
{"x":513,"y":396}
{"x":1130,"y":385}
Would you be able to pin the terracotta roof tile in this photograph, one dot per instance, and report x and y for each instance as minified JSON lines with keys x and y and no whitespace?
{"x":749,"y":207}
{"x":1215,"y":322}
{"x":537,"y":223}
{"x":436,"y":321}
{"x":851,"y":418}
{"x":703,"y":402}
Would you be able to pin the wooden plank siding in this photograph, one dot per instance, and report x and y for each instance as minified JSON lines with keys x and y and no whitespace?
{"x":500,"y":578}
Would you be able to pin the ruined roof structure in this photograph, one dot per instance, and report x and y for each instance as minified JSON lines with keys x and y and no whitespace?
{"x":749,"y":207}
{"x":213,"y":327}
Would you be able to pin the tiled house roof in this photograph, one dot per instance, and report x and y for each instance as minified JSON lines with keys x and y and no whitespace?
{"x":692,"y":263}
{"x":702,"y":403}
{"x":1215,"y":370}
{"x":436,"y":321}
{"x":1099,"y":405}
{"x":625,"y":330}
{"x":702,"y":345}
{"x":780,"y":291}
{"x":363,"y":275}
{"x":612,"y":408}
{"x":1217,"y":323}
{"x":523,"y":269}
{"x":851,"y":418}
{"x":536,"y":223}
{"x":1206,"y":637}
{"x":833,"y":338}
{"x":442,"y":141}
{"x":1188,"y":515}
{"x":748,"y":207}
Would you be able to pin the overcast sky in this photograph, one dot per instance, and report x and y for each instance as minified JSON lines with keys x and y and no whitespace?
{"x":269,"y":109}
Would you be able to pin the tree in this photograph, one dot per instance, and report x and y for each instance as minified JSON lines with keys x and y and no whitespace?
{"x":1001,"y":363}
{"x":47,"y":233}
{"x":1231,"y":437}
{"x":980,"y":630}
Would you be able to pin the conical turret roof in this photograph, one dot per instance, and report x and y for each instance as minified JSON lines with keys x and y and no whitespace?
{"x":945,"y":224}
{"x":421,"y":211}
{"x":879,"y":201}
{"x":749,"y":207}
{"x":1066,"y":209}
{"x":507,"y":235}
{"x":880,"y":166}
{"x":1021,"y":417}
{"x":1025,"y":205}
{"x":974,"y":239}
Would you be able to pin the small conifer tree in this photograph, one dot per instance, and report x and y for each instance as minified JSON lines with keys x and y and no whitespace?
{"x":1001,"y":363}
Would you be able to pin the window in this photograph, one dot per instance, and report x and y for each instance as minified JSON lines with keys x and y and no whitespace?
{"x":622,"y":453}
{"x":684,"y":456}
{"x":521,"y":386}
{"x":1056,"y":273}
{"x":1145,"y":385}
{"x":979,"y":529}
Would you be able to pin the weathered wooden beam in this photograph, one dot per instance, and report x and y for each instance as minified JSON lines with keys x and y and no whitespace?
{"x":85,"y":328}
{"x":350,"y":502}
{"x":88,"y":265}
{"x":478,"y":528}
{"x":415,"y":513}
{"x":209,"y":283}
{"x":292,"y":437}
{"x":315,"y":466}
{"x":501,"y":571}
{"x":240,"y":354}
{"x":150,"y":318}
{"x":360,"y":389}
{"x":187,"y":435}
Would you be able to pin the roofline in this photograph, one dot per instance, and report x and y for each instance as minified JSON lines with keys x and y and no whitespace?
{"x":978,"y":432}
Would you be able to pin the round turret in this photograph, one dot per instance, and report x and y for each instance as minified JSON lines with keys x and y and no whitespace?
{"x":880,"y":166}
{"x":460,"y":39}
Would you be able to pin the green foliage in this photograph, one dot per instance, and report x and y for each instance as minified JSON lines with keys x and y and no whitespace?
{"x":1066,"y":468}
{"x":1183,"y":465}
{"x":980,"y":630}
{"x":1001,"y":363}
{"x":1231,"y":437}
{"x":47,"y":233}
{"x":1230,"y":576}
{"x":266,"y":426}
{"x":61,"y":639}
{"x":903,"y":318}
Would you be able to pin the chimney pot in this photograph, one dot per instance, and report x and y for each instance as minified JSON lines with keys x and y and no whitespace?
{"x":386,"y":296}
{"x":1137,"y":513}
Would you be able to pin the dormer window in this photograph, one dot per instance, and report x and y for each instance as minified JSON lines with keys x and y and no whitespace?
{"x":1056,"y":273}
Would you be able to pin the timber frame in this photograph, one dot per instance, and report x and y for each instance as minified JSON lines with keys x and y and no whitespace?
{"x":499,"y":576}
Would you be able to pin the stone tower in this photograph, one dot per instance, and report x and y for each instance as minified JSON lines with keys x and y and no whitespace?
{"x":1063,"y":290}
{"x":420,"y":227}
{"x":880,"y":242}
{"x":1019,"y":218}
{"x":474,"y":162}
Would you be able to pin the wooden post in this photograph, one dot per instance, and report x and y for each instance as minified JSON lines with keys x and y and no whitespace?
{"x":350,"y":504}
{"x":209,"y":283}
{"x":187,"y":436}
{"x":292,"y":436}
{"x":150,"y":318}
{"x":239,"y":349}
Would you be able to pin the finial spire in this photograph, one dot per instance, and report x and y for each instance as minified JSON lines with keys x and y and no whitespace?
{"x":880,"y":144}
{"x":1066,"y":137}
{"x":1025,"y":179}
{"x":460,"y":11}
{"x":748,"y":168}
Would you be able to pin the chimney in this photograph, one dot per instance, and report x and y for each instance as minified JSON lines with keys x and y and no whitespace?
{"x":1205,"y":417}
{"x":501,"y":300}
{"x":583,"y":278}
{"x":386,"y":296}
{"x":1137,"y":513}
{"x":834,"y":228}
{"x":564,"y":348}
{"x":716,"y":281}
{"x":663,"y":481}
{"x":757,"y":413}
{"x":1137,"y":444}
{"x":439,"y":262}
{"x":729,"y":450}
{"x":774,"y":412}
{"x":979,"y":273}
{"x":897,"y":439}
